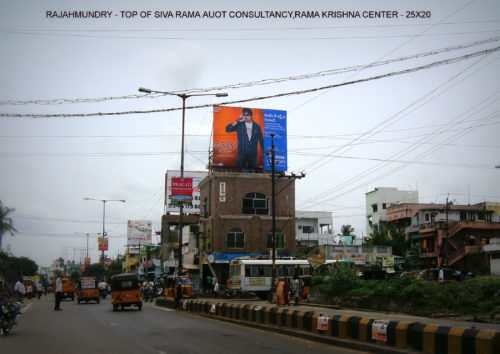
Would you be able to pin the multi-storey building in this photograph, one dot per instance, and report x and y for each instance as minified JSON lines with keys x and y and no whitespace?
{"x":447,"y":235}
{"x":237,"y":217}
{"x":377,"y":202}
{"x":313,"y":228}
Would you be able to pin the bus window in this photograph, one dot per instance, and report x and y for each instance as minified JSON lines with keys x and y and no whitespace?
{"x":268,"y":271}
{"x":251,"y":271}
{"x":290,"y":271}
{"x":279,"y":271}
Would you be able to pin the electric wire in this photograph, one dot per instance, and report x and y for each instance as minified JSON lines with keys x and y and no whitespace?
{"x":259,"y":98}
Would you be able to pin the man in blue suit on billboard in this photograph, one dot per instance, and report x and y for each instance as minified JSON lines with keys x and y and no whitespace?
{"x":249,"y":136}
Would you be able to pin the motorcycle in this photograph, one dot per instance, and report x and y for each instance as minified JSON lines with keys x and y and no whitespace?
{"x":9,"y":310}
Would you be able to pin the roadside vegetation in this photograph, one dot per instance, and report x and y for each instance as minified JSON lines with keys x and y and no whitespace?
{"x":477,"y":296}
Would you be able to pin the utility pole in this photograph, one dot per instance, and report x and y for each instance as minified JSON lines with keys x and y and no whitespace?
{"x":446,"y":236}
{"x":273,"y":208}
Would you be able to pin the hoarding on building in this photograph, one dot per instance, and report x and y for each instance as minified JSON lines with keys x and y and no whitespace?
{"x":188,"y":187}
{"x":242,"y":136}
{"x":139,"y":232}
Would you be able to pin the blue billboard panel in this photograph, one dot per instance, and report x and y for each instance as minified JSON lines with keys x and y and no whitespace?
{"x":275,"y":123}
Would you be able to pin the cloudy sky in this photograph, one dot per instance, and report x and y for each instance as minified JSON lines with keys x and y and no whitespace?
{"x":388,"y":93}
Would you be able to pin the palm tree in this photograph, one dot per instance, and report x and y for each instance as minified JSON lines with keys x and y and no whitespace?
{"x":6,"y":224}
{"x":346,"y":230}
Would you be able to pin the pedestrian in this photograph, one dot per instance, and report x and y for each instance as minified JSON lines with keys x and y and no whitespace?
{"x":216,"y":288}
{"x":39,"y":290}
{"x":20,"y":290}
{"x":286,"y":292}
{"x":58,"y":293}
{"x":280,"y":299}
{"x":296,"y":289}
{"x":213,"y":285}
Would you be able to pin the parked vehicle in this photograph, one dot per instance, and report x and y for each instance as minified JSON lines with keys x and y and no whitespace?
{"x":443,"y":275}
{"x":172,"y":284}
{"x":9,"y":309}
{"x":125,"y":291}
{"x":68,"y":288}
{"x":86,"y":290}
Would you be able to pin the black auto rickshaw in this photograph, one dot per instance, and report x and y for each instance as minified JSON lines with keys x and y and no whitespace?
{"x":125,"y":291}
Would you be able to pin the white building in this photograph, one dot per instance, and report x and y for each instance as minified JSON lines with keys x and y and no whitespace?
{"x":313,"y":228}
{"x":377,"y":202}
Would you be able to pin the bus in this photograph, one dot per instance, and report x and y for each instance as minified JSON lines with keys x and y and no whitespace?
{"x":255,"y":275}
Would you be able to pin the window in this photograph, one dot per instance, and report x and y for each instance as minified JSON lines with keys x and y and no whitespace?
{"x":308,"y":229}
{"x":255,"y":203}
{"x":384,"y":206}
{"x":235,"y":239}
{"x":375,"y":208}
{"x":426,"y":217}
{"x":472,"y":217}
{"x":280,"y":240}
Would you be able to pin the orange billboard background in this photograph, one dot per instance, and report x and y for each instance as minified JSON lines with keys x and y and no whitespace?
{"x":226,"y":144}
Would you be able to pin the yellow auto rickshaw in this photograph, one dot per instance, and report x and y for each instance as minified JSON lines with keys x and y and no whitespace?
{"x":86,"y":290}
{"x":125,"y":291}
{"x":172,"y":284}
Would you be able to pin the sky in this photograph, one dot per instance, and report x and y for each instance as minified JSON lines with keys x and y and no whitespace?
{"x":389,"y":93}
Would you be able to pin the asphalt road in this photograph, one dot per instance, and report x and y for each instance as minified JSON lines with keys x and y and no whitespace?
{"x":95,"y":328}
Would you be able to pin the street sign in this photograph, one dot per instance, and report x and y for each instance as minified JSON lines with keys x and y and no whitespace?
{"x":379,"y":330}
{"x":317,"y":257}
{"x":323,"y":322}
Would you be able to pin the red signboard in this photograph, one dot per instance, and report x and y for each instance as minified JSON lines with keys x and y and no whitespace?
{"x":103,"y":243}
{"x":182,"y":186}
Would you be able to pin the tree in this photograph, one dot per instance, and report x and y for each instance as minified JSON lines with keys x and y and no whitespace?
{"x":24,"y":264}
{"x":346,"y":230}
{"x":6,"y":224}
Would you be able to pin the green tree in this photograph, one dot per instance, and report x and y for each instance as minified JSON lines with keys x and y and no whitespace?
{"x":346,"y":230}
{"x":379,"y":238}
{"x":6,"y":224}
{"x":24,"y":264}
{"x":115,"y":267}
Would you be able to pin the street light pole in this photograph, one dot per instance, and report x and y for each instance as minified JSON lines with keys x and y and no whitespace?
{"x":104,"y":201}
{"x":273,"y":208}
{"x":184,"y":97}
{"x":87,"y":251}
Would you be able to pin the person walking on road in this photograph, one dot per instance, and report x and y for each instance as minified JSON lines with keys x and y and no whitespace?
{"x":280,"y":296}
{"x":58,"y":293}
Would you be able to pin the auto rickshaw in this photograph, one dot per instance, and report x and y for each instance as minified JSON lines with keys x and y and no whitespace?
{"x":86,"y":290}
{"x":172,"y":284}
{"x":125,"y":291}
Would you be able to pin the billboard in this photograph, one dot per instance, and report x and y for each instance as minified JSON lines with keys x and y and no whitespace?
{"x":188,"y":186}
{"x":139,"y":232}
{"x":103,"y":243}
{"x":242,"y":136}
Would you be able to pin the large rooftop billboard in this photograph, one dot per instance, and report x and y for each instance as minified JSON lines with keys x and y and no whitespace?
{"x":242,"y":136}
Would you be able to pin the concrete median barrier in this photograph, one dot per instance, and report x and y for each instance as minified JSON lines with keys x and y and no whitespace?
{"x":398,"y":336}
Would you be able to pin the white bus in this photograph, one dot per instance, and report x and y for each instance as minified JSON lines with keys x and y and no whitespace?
{"x":254,"y":275}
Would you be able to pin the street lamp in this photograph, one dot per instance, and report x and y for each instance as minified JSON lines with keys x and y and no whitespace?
{"x":82,"y":233}
{"x":273,"y":208}
{"x":183,"y":96}
{"x":104,"y":201}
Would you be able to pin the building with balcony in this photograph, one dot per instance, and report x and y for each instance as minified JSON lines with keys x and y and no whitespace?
{"x":313,"y":228}
{"x":447,"y":235}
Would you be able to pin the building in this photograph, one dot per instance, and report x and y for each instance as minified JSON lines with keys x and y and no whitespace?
{"x":377,"y":202}
{"x":448,"y":235}
{"x":237,"y":218}
{"x":313,"y":228}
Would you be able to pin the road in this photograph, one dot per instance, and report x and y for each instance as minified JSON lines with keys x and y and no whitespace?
{"x":95,"y":328}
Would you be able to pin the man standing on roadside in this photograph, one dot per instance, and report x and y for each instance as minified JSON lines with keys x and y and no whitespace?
{"x":20,"y":290}
{"x":58,"y":293}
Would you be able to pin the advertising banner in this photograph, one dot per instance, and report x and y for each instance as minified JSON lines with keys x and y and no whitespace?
{"x":242,"y":136}
{"x":103,"y":243}
{"x":174,"y":187}
{"x":139,"y":232}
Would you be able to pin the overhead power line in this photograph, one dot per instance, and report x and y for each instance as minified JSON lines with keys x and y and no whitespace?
{"x":268,"y":81}
{"x":259,"y":98}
